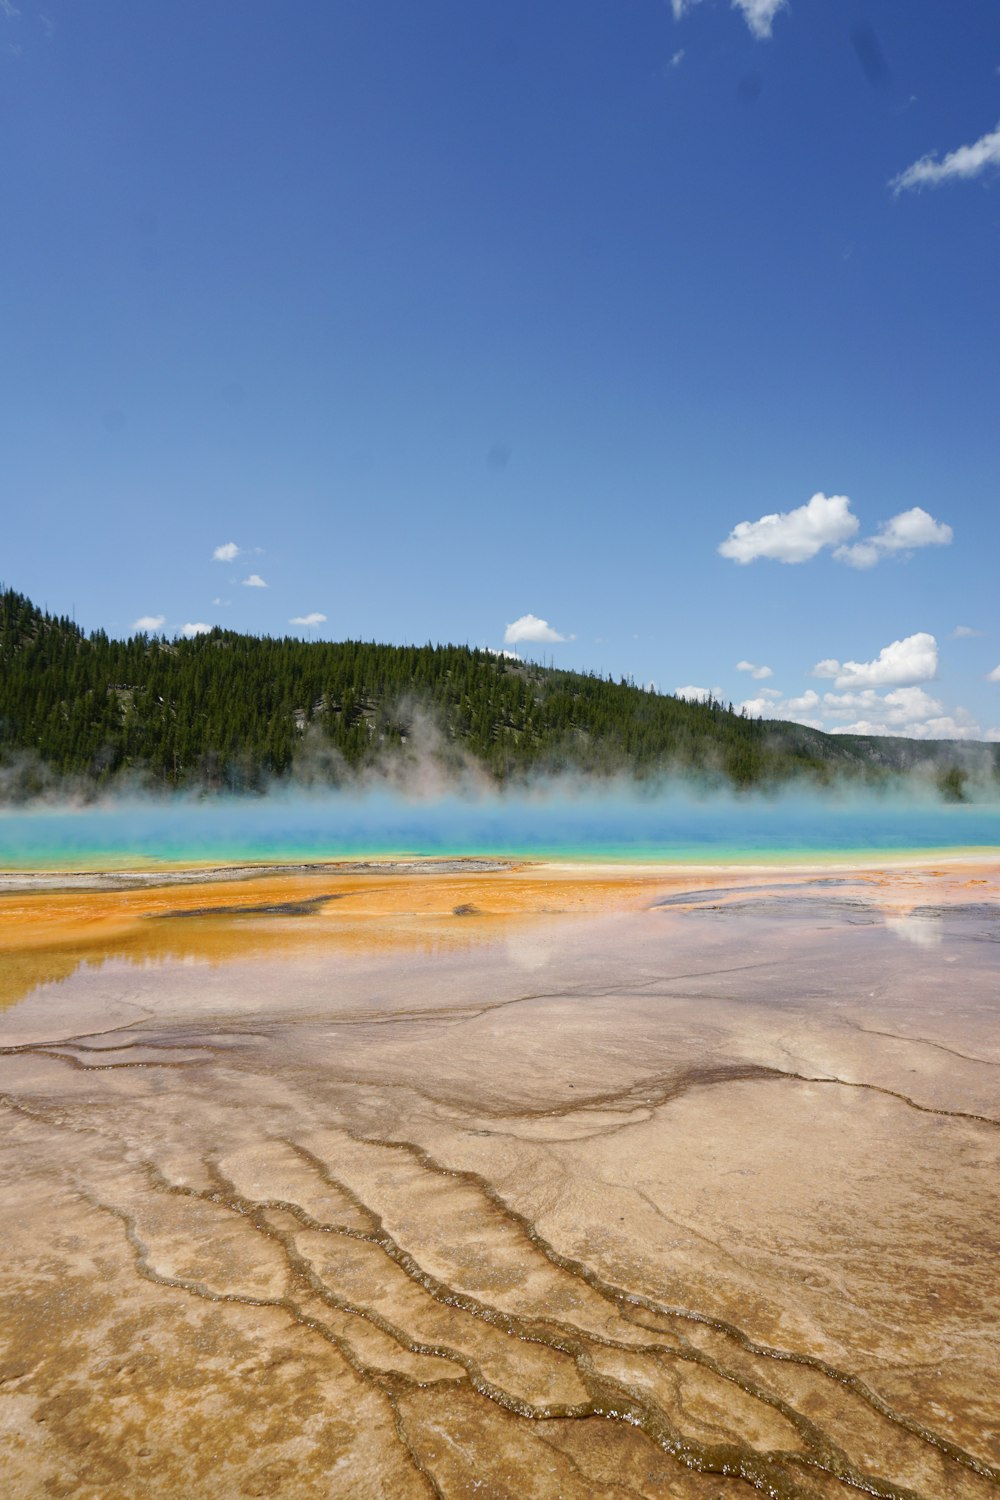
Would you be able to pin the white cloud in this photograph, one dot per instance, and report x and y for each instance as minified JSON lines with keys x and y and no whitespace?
{"x":311,"y":619}
{"x":993,"y":676}
{"x":770,"y":705}
{"x":793,"y":536}
{"x":531,"y":628}
{"x":859,"y":555}
{"x":226,"y":553}
{"x":903,"y":533}
{"x":8,"y":9}
{"x":149,"y":622}
{"x":913,"y":659}
{"x":900,"y":706}
{"x":758,"y":14}
{"x":965,"y":163}
{"x":913,"y":528}
{"x":677,"y":58}
{"x":906,"y":711}
{"x":958,"y":726}
{"x":945,"y":727}
{"x":963,"y":632}
{"x":909,"y":711}
{"x":254,"y":582}
{"x":758,"y":673}
{"x":694,"y":694}
{"x":197,"y":628}
{"x":507,"y":655}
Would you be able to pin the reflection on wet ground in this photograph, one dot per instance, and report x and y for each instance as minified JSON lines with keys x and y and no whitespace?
{"x":505,"y":1184}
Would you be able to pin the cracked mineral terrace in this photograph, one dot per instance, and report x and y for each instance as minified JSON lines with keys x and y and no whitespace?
{"x":501,"y":1182}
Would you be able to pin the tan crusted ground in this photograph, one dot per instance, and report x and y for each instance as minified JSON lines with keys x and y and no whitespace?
{"x":542,"y":1182}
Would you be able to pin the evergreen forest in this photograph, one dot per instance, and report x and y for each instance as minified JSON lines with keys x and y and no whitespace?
{"x":225,"y":711}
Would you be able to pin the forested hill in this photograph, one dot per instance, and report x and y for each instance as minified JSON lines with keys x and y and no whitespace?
{"x":233,"y":711}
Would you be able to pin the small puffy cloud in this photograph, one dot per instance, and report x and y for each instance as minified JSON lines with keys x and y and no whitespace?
{"x":958,"y":726}
{"x":149,"y":622}
{"x":993,"y":676}
{"x":964,"y":163}
{"x":763,"y":706}
{"x":859,"y":555}
{"x":758,"y":673}
{"x":507,"y":655}
{"x":793,"y":536}
{"x":758,"y":14}
{"x":531,"y":628}
{"x":694,"y":694}
{"x":908,"y":711}
{"x":903,"y":533}
{"x":963,"y":632}
{"x":254,"y":582}
{"x":677,"y":58}
{"x":226,"y":553}
{"x":770,"y":705}
{"x":807,"y":703}
{"x":900,"y":706}
{"x":913,"y":528}
{"x":315,"y":618}
{"x":914,"y":659}
{"x":197,"y":628}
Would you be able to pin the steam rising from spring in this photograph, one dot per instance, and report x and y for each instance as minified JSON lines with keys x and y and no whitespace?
{"x":561,"y":818}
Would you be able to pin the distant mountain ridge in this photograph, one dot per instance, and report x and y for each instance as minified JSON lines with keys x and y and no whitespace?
{"x":230,"y":711}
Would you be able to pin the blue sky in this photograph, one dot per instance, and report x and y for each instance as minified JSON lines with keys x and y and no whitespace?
{"x":456,"y":318}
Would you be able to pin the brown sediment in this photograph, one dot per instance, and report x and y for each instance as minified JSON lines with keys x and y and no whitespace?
{"x":515,"y":1183}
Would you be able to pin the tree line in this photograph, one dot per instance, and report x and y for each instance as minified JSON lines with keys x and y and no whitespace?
{"x":231,"y":711}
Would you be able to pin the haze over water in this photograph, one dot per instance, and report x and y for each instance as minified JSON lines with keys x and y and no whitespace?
{"x":571,"y":825}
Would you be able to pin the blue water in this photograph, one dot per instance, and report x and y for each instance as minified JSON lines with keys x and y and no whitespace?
{"x":614,"y":825}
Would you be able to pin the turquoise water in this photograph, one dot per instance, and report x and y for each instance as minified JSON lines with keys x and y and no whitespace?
{"x":610,"y":826}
